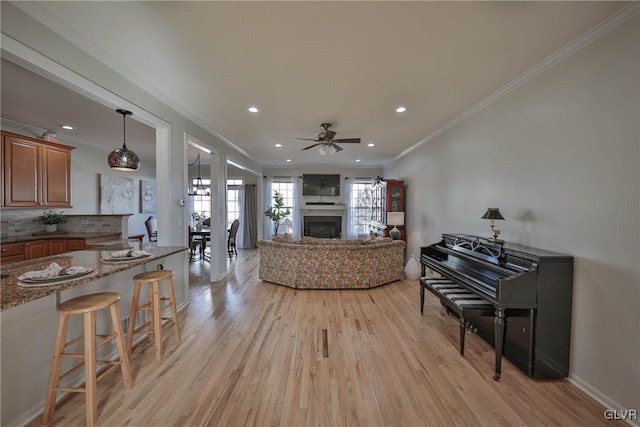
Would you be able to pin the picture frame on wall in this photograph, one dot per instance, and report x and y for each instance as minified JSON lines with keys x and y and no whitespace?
{"x":148,"y":197}
{"x":116,"y":195}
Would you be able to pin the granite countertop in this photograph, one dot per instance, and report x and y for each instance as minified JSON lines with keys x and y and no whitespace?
{"x":56,"y":235}
{"x":12,"y":295}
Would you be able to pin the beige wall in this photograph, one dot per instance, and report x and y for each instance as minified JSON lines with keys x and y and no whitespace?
{"x":559,"y":156}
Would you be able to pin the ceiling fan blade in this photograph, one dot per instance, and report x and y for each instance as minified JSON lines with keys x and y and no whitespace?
{"x":306,"y":139}
{"x":348,"y":140}
{"x":311,"y":146}
{"x":329,"y":134}
{"x":337,"y":147}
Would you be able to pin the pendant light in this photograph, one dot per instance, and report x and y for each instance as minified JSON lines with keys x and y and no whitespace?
{"x":199,"y":188}
{"x":123,"y":159}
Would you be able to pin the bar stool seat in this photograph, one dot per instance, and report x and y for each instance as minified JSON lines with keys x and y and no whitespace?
{"x":153,"y":327}
{"x":88,"y":306}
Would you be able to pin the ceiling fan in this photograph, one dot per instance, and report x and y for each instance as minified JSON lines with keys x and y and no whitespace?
{"x":325,"y":141}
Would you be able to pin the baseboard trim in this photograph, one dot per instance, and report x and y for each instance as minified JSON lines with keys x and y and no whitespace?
{"x":600,"y":397}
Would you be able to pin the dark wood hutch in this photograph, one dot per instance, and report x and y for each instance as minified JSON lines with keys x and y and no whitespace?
{"x":387,"y":196}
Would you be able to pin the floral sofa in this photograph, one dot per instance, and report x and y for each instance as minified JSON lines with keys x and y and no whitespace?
{"x":331,"y":264}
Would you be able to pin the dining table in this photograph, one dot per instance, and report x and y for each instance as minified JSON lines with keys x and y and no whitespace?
{"x":205,"y":236}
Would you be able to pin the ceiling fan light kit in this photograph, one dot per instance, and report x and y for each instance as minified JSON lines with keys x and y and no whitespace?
{"x":326,"y":143}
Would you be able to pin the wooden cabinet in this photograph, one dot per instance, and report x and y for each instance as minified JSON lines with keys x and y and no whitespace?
{"x":58,"y":246}
{"x":387,"y":196}
{"x":394,"y":195}
{"x":35,"y":173}
{"x":394,"y":203}
{"x":33,"y":249}
{"x":75,"y":244}
{"x":37,"y":249}
{"x":11,"y":252}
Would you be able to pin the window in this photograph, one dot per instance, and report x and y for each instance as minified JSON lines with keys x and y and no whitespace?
{"x":360,"y":202}
{"x":201,"y":203}
{"x":233,"y":200}
{"x":286,"y":188}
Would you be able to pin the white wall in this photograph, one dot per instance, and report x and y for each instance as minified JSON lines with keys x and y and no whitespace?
{"x":559,"y":156}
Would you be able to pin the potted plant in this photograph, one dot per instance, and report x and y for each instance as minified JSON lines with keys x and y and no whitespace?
{"x":275,"y":212}
{"x":51,"y":219}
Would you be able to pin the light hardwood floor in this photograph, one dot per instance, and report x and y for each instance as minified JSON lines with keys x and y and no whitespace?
{"x":255,"y":353}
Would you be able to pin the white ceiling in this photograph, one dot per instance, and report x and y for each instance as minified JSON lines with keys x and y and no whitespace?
{"x":301,"y":63}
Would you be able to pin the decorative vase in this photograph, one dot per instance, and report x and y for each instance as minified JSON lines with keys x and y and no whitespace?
{"x":50,"y":228}
{"x":412,"y":269}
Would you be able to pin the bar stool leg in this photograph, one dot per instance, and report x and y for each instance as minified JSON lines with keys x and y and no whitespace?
{"x":157,"y":317}
{"x":133,"y":314}
{"x":56,"y":364}
{"x":91,"y":386}
{"x":122,"y":351}
{"x":156,"y":307}
{"x":174,"y":309}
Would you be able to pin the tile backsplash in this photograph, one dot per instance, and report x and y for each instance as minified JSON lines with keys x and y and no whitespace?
{"x":26,"y":222}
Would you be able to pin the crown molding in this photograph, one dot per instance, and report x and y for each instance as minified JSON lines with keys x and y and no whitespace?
{"x":603,"y":28}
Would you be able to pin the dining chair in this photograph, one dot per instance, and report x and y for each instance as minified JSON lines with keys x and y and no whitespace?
{"x":207,"y":223}
{"x":152,"y":228}
{"x":231,"y":241}
{"x":193,"y":244}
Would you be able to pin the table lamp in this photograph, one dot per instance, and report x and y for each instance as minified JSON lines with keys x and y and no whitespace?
{"x":395,"y":218}
{"x":493,"y":214}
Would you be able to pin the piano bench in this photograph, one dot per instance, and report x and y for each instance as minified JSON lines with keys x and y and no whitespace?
{"x":457,"y":299}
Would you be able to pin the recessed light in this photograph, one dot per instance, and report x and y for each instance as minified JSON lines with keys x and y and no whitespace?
{"x":357,"y":160}
{"x":253,"y":109}
{"x":288,"y":160}
{"x":278,"y":145}
{"x":371,"y":144}
{"x":67,"y":127}
{"x":401,"y":109}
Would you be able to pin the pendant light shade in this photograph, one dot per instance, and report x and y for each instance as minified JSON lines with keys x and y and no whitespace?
{"x":123,"y":159}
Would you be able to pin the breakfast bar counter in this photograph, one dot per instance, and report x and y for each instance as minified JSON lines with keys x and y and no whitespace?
{"x":29,"y":319}
{"x":12,"y":294}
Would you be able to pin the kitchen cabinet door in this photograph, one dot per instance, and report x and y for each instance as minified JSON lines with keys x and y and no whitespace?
{"x":36,"y":173}
{"x":37,"y":249}
{"x":21,"y":173}
{"x":58,"y":246}
{"x":56,"y":177}
{"x":11,"y":252}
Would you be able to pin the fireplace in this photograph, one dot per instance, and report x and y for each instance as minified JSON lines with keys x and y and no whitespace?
{"x":323,"y":226}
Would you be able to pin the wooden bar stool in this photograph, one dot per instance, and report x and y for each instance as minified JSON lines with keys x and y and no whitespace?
{"x":86,"y":305}
{"x":153,"y":326}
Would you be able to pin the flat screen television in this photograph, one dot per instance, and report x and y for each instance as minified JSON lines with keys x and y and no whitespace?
{"x":320,"y":185}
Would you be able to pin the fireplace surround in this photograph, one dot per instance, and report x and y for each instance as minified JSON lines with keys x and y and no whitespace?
{"x":323,"y":226}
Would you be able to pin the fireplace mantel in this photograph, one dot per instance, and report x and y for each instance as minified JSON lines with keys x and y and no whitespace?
{"x":323,"y":208}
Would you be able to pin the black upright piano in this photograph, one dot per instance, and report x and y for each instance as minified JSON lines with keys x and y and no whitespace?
{"x":531,"y":290}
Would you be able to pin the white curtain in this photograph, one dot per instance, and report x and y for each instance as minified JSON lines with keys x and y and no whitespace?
{"x":267,"y":224}
{"x":242,"y":219}
{"x":352,"y":231}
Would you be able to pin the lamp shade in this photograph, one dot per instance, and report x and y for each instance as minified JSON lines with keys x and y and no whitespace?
{"x":492,"y":213}
{"x":395,"y":218}
{"x":123,"y":159}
